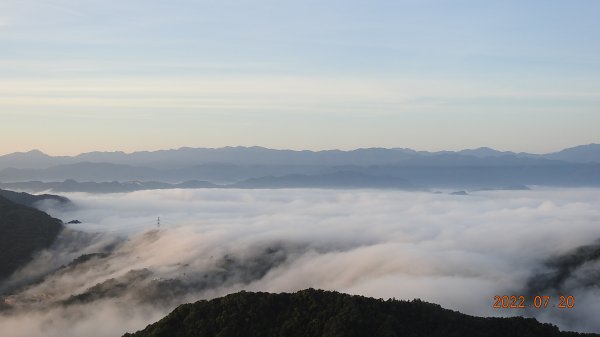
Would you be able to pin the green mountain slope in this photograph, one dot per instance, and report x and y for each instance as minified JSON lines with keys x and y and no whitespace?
{"x":323,"y":313}
{"x":23,"y":231}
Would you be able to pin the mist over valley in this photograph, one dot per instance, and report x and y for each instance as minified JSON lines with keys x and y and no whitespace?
{"x":456,"y":251}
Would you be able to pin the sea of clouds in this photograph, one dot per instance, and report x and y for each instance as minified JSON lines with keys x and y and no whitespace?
{"x":457,"y":251}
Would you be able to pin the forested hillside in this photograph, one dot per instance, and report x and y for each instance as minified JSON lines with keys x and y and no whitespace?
{"x":23,"y":231}
{"x":328,"y":314}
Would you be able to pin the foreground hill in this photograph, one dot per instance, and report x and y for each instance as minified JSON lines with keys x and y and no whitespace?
{"x":23,"y":231}
{"x":324,"y":313}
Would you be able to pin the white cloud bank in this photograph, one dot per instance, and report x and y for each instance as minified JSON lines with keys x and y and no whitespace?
{"x":458,"y":251}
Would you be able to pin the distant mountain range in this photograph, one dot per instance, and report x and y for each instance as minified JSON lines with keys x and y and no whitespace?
{"x":102,"y":187}
{"x":343,"y":179}
{"x":257,"y":167}
{"x":310,"y":313}
{"x":339,"y":179}
{"x":249,"y":156}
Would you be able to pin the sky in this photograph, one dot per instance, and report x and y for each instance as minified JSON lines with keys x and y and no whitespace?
{"x":84,"y":75}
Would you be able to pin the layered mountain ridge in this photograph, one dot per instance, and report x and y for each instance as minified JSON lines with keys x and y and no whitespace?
{"x":256,"y":167}
{"x":186,"y":156}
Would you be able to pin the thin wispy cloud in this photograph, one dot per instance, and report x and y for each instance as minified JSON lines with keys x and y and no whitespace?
{"x":303,"y":94}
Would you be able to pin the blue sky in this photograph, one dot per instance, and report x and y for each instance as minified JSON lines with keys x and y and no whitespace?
{"x":82,"y":75}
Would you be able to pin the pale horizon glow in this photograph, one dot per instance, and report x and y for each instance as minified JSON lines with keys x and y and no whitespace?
{"x":81,"y":76}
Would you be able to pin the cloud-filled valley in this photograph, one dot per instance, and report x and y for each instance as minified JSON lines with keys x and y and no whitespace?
{"x":458,"y":251}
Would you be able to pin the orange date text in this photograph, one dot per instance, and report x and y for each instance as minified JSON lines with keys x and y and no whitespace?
{"x":535,"y":302}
